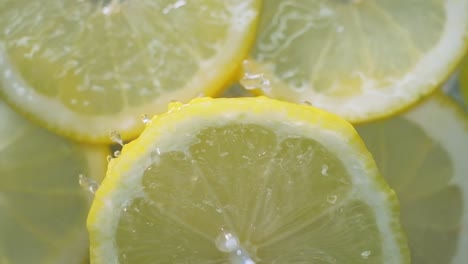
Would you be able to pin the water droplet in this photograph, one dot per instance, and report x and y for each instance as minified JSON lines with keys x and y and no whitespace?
{"x":145,"y":119}
{"x":111,"y":8}
{"x":117,"y":153}
{"x":365,"y":254}
{"x":173,"y":6}
{"x":115,"y":137}
{"x":325,"y":170}
{"x":227,"y":242}
{"x":240,"y":256}
{"x":223,"y":154}
{"x":125,"y":209}
{"x":88,"y":184}
{"x":109,"y":158}
{"x":332,"y":198}
{"x":252,"y":80}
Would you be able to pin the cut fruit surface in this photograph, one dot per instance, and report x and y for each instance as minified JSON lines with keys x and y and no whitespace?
{"x":422,"y":155}
{"x":245,"y":180}
{"x":85,"y":68}
{"x":43,"y":208}
{"x":362,"y":60}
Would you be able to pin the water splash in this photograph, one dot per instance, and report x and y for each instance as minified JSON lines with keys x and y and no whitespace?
{"x":88,"y":184}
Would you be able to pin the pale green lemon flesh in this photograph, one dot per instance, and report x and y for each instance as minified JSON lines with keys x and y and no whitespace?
{"x":42,"y":206}
{"x":422,"y":155}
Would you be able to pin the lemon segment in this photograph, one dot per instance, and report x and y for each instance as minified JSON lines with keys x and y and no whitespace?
{"x":245,"y":180}
{"x":362,"y":60}
{"x":42,"y":206}
{"x":84,"y":68}
{"x":422,"y":155}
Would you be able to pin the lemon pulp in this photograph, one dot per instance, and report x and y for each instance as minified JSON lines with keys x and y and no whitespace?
{"x":84,"y":68}
{"x":363,"y":60}
{"x":422,"y":154}
{"x":42,"y":206}
{"x":248,"y":180}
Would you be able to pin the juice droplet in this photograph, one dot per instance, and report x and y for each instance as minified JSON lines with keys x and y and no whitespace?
{"x":365,"y":254}
{"x":240,"y":256}
{"x":145,"y":119}
{"x":88,"y":184}
{"x":325,"y":170}
{"x":227,"y":242}
{"x":332,"y":198}
{"x":115,"y":137}
{"x":111,"y":8}
{"x":252,"y":80}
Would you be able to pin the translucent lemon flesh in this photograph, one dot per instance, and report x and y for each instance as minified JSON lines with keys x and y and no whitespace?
{"x":422,"y":155}
{"x":84,"y":68}
{"x":42,"y":206}
{"x":248,"y":180}
{"x":363,"y":59}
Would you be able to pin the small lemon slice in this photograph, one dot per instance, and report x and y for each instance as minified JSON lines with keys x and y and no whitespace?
{"x":42,"y":206}
{"x":423,"y":156}
{"x":245,"y":180}
{"x":360,"y":59}
{"x":85,"y":68}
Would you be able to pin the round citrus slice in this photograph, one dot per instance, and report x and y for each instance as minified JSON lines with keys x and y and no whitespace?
{"x":43,"y":209}
{"x":245,"y":180}
{"x":422,"y":155}
{"x":359,"y":59}
{"x":85,"y":68}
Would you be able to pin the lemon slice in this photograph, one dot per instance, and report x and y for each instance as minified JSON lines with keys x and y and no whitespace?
{"x":245,"y":180}
{"x":422,"y":155}
{"x":42,"y":206}
{"x":359,"y":59}
{"x":85,"y":68}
